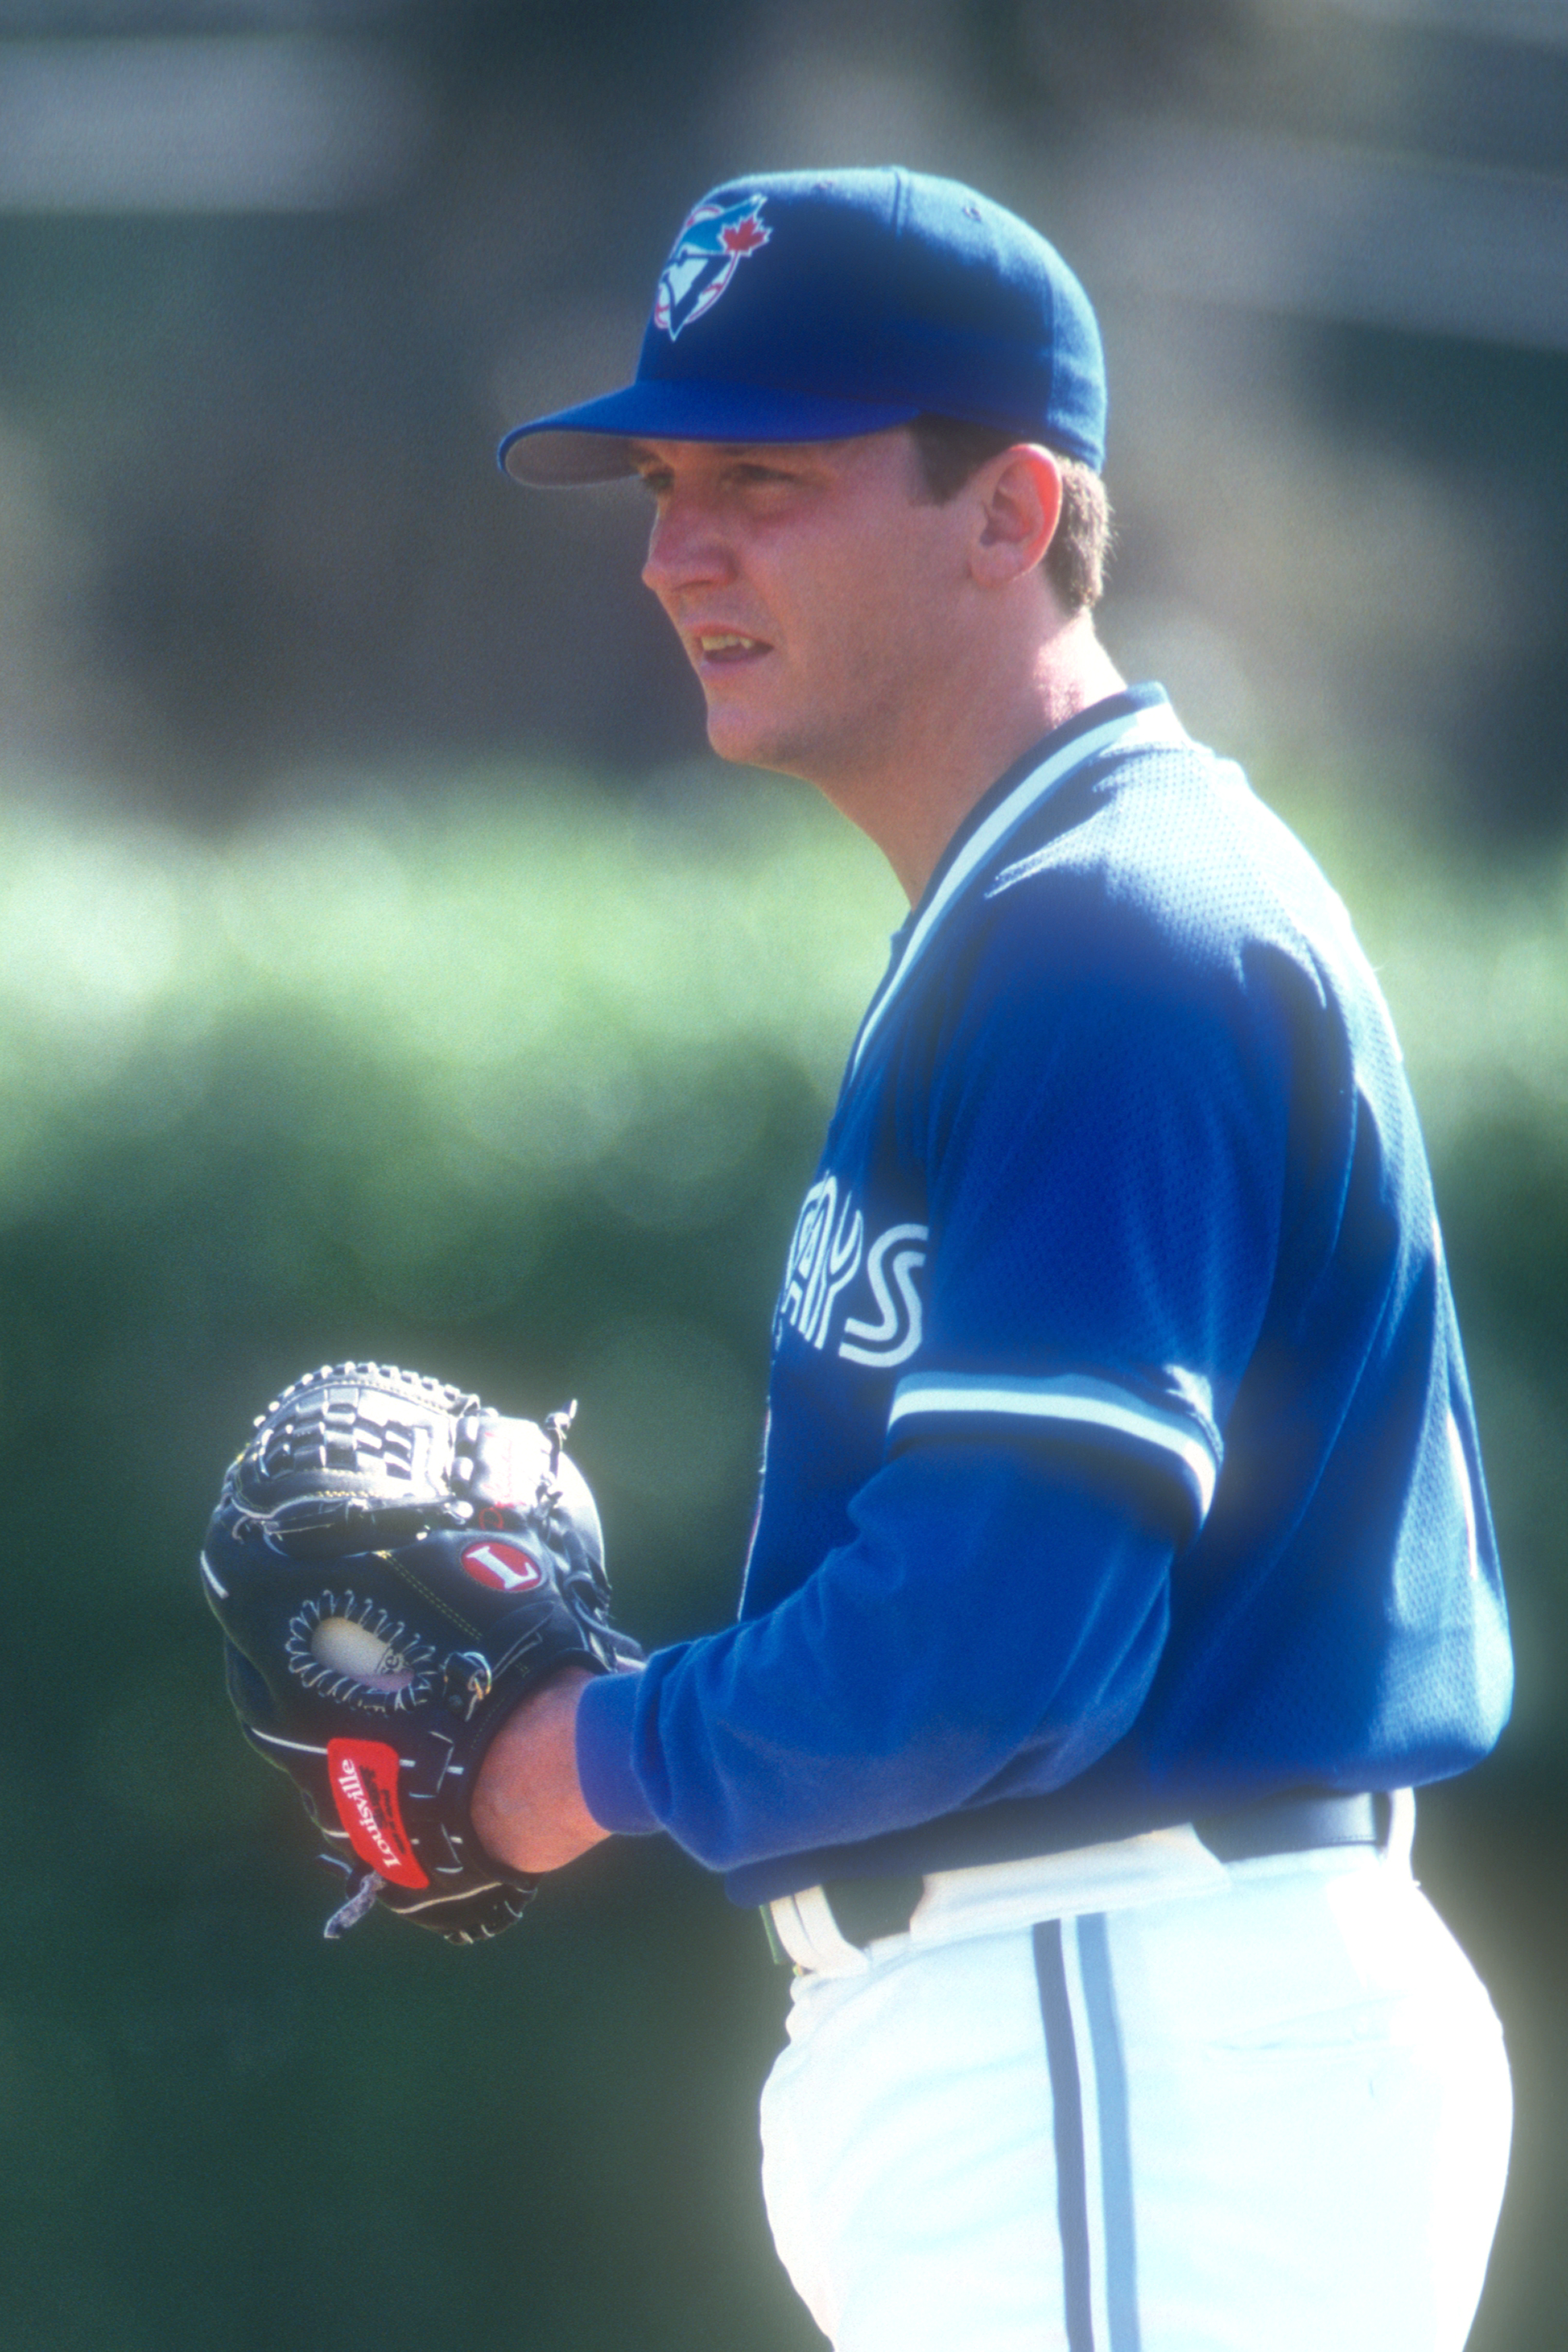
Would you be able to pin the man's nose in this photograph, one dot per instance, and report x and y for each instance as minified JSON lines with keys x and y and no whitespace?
{"x":685,"y":549}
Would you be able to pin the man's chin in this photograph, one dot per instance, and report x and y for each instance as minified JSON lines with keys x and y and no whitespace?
{"x":744,"y":740}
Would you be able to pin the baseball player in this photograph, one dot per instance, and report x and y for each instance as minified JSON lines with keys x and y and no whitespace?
{"x":1123,"y":1559}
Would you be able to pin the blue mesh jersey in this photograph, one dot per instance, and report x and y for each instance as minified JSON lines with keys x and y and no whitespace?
{"x":1120,"y":1464}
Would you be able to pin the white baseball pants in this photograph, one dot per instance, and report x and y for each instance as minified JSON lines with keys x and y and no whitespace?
{"x":1190,"y":2107}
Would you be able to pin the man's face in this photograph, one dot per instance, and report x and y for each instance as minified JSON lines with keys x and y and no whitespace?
{"x":815,"y":588}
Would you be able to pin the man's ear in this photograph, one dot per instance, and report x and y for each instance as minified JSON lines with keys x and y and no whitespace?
{"x":1019,"y":496}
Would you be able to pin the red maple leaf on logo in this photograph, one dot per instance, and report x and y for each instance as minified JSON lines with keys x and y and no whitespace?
{"x":744,"y":237}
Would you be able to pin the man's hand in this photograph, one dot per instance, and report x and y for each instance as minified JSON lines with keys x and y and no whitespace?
{"x":528,"y":1807}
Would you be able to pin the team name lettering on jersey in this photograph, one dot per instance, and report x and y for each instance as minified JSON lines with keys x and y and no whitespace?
{"x":830,"y":1269}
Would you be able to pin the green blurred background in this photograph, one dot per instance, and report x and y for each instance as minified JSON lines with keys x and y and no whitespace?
{"x":386,"y":969}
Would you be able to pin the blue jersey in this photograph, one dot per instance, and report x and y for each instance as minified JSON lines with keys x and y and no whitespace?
{"x":1120,"y":1464}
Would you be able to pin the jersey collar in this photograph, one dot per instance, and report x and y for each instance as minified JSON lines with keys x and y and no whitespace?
{"x":1139,"y":716}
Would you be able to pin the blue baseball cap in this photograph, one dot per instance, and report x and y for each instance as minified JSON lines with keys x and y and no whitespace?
{"x":817,"y":306}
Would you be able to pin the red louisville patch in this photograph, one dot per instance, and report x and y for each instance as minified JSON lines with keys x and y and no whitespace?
{"x":363,"y":1777}
{"x":504,"y":1567}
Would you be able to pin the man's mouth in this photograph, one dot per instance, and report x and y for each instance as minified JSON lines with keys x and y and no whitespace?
{"x":727,"y":645}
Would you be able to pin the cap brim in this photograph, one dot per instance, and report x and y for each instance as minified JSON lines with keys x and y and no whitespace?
{"x":593,"y":443}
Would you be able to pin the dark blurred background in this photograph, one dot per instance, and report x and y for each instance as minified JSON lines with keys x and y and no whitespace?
{"x":385,"y":971}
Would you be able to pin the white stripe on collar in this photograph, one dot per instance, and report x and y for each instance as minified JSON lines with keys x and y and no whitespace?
{"x":1154,"y":724}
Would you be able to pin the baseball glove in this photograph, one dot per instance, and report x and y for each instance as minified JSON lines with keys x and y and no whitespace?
{"x":394,"y":1566}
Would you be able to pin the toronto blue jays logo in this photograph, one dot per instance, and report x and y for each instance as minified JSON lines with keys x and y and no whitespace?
{"x":707,"y":252}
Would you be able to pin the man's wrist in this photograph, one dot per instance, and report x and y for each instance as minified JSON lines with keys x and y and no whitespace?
{"x":528,"y":1806}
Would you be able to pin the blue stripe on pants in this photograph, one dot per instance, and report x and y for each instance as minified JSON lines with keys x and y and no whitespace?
{"x":1115,"y":2138}
{"x":1067,"y":2117}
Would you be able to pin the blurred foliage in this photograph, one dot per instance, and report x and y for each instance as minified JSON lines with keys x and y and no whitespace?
{"x":519,"y":1085}
{"x":517,"y":1081}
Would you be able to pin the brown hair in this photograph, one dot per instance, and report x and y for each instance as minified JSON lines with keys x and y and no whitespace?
{"x":950,"y":452}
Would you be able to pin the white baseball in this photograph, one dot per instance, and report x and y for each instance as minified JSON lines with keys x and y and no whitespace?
{"x":351,"y":1649}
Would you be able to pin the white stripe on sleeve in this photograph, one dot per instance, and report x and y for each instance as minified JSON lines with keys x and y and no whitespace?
{"x":1067,"y":1399}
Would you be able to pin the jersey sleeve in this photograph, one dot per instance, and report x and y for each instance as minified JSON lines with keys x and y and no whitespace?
{"x":1106,"y":1180}
{"x":904,"y":1680}
{"x":1101,"y":1177}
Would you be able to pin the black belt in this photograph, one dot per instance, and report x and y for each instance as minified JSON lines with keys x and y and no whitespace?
{"x":866,"y":1908}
